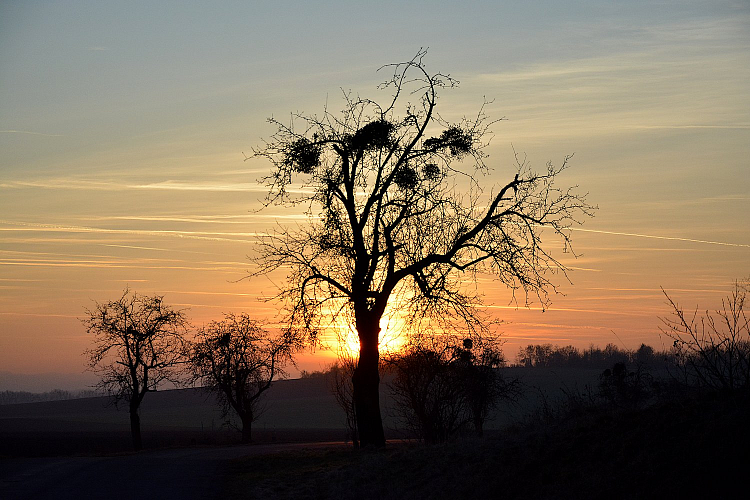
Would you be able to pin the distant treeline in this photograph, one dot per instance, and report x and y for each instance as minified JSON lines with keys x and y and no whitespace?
{"x":548,"y":355}
{"x":14,"y":397}
{"x":555,"y":356}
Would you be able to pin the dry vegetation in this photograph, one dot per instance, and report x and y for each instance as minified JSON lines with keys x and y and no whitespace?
{"x":673,"y":449}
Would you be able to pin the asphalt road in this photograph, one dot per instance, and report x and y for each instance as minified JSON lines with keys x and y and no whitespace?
{"x":187,"y":473}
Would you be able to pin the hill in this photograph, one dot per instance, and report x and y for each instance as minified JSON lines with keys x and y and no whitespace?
{"x":296,"y":410}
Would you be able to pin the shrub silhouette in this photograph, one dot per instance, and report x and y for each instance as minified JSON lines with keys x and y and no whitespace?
{"x":712,"y":350}
{"x":238,"y":360}
{"x":442,"y":391}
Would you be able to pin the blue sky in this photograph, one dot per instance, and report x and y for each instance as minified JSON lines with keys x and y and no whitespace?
{"x":123,"y":126}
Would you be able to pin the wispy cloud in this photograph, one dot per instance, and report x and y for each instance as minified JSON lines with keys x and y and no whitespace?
{"x":656,"y":290}
{"x":200,"y":235}
{"x":230,"y":294}
{"x":655,"y":237}
{"x":29,"y":132}
{"x":589,"y":269}
{"x":170,"y":185}
{"x":156,"y":249}
{"x":739,"y":126}
{"x":613,"y":312}
{"x":199,"y":219}
{"x":61,"y":183}
{"x":680,"y":77}
{"x":115,"y":264}
{"x":186,"y":186}
{"x":67,"y":183}
{"x":22,"y":280}
{"x":37,"y":315}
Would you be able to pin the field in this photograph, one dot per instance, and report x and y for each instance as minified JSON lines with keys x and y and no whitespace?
{"x":298,"y":410}
{"x":696,"y":448}
{"x":679,"y":447}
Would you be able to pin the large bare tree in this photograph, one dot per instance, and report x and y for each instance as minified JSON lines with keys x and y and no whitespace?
{"x":400,"y":213}
{"x":138,"y":344}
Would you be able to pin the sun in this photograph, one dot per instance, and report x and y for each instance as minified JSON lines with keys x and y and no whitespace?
{"x":392,"y":337}
{"x":393,"y":334}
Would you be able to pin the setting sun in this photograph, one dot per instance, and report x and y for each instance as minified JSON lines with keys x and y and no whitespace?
{"x":392,"y":338}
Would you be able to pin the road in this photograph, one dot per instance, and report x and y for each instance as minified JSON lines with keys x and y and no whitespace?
{"x":186,"y":473}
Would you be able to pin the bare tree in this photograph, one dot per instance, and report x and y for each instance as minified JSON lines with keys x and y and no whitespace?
{"x":713,"y":350}
{"x":399,"y":213}
{"x":340,"y":381}
{"x":479,"y":365}
{"x":239,"y":360}
{"x":442,"y":388}
{"x":138,"y":344}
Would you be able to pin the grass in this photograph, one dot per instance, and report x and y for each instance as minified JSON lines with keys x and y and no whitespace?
{"x":675,"y":449}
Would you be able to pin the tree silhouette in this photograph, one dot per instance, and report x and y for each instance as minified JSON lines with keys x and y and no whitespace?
{"x":399,"y":214}
{"x":138,"y":343}
{"x":239,"y":360}
{"x":340,"y":382}
{"x":440,"y":390}
{"x":713,"y":349}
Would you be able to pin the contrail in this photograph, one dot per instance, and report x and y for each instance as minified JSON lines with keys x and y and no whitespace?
{"x":199,"y":235}
{"x":674,"y":238}
{"x":30,"y":133}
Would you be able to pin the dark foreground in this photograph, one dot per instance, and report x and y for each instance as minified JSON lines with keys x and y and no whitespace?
{"x":687,"y":448}
{"x":680,"y":449}
{"x":188,"y":473}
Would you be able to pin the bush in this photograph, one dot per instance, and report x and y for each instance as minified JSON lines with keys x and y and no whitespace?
{"x":712,"y":350}
{"x":440,"y":392}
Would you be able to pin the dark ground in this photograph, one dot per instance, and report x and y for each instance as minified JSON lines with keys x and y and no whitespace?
{"x":185,"y":473}
{"x":688,"y":445}
{"x":681,"y":449}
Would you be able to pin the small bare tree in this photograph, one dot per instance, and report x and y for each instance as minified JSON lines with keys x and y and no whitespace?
{"x":441,"y":390}
{"x":340,"y":381}
{"x":238,"y":360}
{"x":139,"y":343}
{"x":713,"y":350}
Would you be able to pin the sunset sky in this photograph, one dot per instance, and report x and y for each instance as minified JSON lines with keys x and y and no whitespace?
{"x":123,"y":127}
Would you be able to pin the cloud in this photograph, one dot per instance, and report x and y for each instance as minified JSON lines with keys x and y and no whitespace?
{"x":617,"y":312}
{"x":576,"y":268}
{"x":200,"y":219}
{"x":118,"y":264}
{"x":671,"y":238}
{"x":110,"y":185}
{"x":185,"y":186}
{"x":680,"y":77}
{"x":37,"y":315}
{"x":656,"y":290}
{"x":687,"y":127}
{"x":30,"y":133}
{"x":136,"y":247}
{"x":199,"y":235}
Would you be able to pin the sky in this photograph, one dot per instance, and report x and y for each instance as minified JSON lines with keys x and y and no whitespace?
{"x":124,"y":128}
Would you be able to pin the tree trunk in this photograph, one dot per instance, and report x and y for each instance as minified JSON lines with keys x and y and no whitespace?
{"x":478,"y":424}
{"x":247,"y":428}
{"x":135,"y":428}
{"x":366,"y":384}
